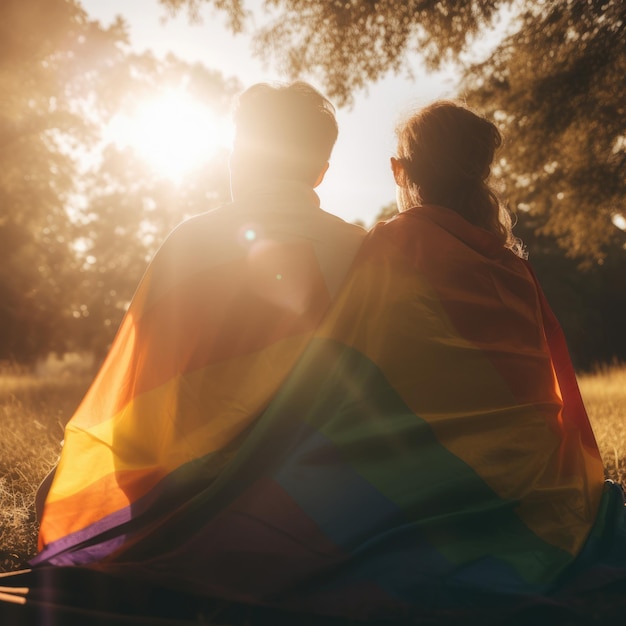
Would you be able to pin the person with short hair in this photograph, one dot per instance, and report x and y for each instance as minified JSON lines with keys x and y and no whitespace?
{"x":221,"y":316}
{"x":283,"y":132}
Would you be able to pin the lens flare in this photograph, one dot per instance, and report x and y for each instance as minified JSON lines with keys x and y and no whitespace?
{"x":174,"y":133}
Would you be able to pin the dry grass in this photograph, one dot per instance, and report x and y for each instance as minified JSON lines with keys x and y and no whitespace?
{"x":34,"y":409}
{"x":604,"y":393}
{"x":33,"y":412}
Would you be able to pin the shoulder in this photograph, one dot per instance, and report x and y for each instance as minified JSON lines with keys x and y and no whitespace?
{"x":404,"y":232}
{"x":196,"y":226}
{"x":204,"y":229}
{"x":202,"y":238}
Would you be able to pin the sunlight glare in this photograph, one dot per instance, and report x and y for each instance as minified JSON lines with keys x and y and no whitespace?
{"x":619,"y":221}
{"x":174,"y":133}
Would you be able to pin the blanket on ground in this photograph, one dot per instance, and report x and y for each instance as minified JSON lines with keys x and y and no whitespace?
{"x":429,"y":454}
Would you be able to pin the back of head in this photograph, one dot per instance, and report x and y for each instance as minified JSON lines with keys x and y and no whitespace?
{"x":446,"y":151}
{"x":284,"y":131}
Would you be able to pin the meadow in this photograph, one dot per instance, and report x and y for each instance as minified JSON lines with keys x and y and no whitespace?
{"x":33,"y":412}
{"x":35,"y":408}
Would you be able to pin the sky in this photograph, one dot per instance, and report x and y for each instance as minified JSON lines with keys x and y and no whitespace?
{"x":359,"y":182}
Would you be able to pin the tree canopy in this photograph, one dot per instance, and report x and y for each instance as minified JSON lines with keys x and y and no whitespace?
{"x":78,"y":219}
{"x":46,"y":48}
{"x":347,"y":44}
{"x":555,"y":85}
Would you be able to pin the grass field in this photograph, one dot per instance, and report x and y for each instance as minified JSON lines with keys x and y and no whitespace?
{"x":604,"y":394}
{"x":33,"y":411}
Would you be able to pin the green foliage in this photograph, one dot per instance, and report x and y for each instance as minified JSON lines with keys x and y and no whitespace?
{"x":77,"y":229}
{"x":556,"y":88}
{"x":233,"y":8}
{"x":45,"y":48}
{"x":348,"y":44}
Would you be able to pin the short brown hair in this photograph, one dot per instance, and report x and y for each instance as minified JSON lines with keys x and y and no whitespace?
{"x":285,"y":130}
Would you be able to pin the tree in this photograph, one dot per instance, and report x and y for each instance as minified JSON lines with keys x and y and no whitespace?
{"x":76,"y":233}
{"x":46,"y":50}
{"x":347,"y":44}
{"x":555,"y":85}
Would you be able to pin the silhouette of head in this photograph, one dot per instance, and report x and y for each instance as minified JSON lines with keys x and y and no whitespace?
{"x":282,"y":132}
{"x":444,"y":157}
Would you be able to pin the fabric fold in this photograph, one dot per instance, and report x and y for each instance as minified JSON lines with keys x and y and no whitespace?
{"x":418,"y":441}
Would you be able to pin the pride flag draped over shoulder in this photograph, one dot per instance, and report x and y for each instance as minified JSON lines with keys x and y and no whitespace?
{"x":428,"y":451}
{"x":218,"y":321}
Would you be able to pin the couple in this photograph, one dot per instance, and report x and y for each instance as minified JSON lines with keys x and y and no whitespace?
{"x":299,"y":418}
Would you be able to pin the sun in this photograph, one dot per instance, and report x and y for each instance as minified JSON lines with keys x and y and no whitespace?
{"x":174,"y":133}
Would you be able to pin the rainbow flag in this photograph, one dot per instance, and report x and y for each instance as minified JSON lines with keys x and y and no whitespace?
{"x":425,"y":451}
{"x":217,"y":323}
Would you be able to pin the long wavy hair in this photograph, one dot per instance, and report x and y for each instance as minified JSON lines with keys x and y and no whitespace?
{"x":446,"y":151}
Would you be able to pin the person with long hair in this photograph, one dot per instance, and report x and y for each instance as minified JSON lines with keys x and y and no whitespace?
{"x":445,"y":386}
{"x":445,"y":153}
